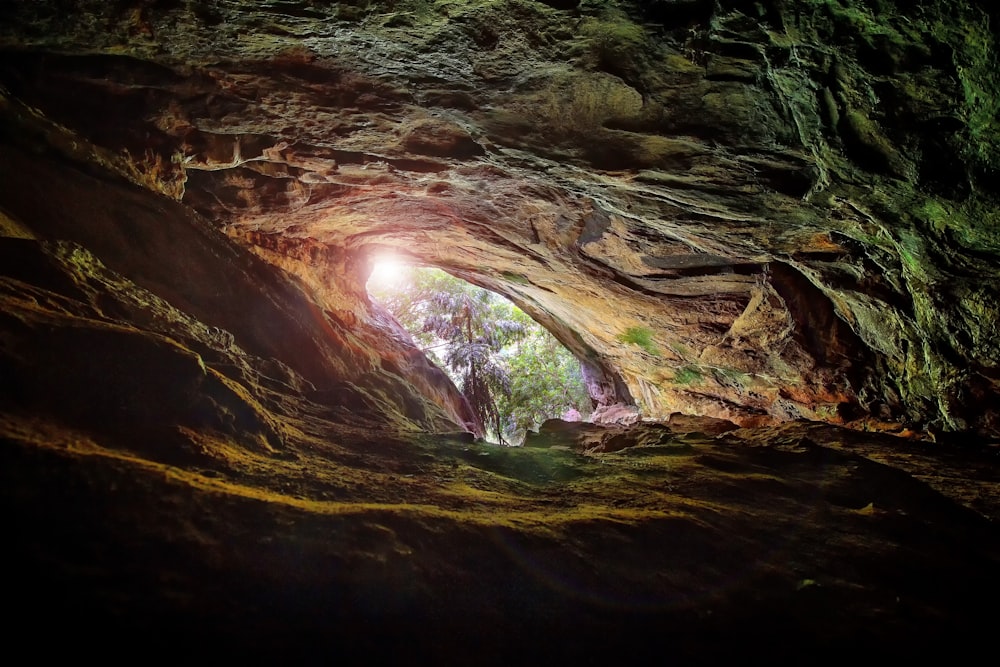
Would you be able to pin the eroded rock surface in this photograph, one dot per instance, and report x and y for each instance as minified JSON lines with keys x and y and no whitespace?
{"x":756,"y":211}
{"x":126,"y":311}
{"x":785,"y":542}
{"x":735,"y":214}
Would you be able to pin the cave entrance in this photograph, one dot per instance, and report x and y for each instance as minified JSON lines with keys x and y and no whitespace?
{"x":513,"y":371}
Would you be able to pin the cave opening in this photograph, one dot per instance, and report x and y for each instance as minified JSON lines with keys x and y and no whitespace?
{"x":512,"y":370}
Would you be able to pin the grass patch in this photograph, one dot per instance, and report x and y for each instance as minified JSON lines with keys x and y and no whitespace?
{"x":688,"y":375}
{"x":642,"y":337}
{"x":527,"y":465}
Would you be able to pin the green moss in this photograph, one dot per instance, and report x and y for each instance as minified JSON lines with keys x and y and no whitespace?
{"x":972,"y":224}
{"x":613,"y":35}
{"x":375,"y":14}
{"x":976,"y":63}
{"x":615,"y":40}
{"x":935,"y":214}
{"x":974,"y":47}
{"x":571,"y":102}
{"x":536,"y":466}
{"x":858,"y":21}
{"x":642,"y":337}
{"x":868,"y":134}
{"x":913,"y":254}
{"x":688,"y":375}
{"x":731,"y":376}
{"x":515,"y":278}
{"x":826,"y":412}
{"x":969,"y":36}
{"x":909,"y":260}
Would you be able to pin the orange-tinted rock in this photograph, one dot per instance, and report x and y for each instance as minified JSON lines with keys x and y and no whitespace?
{"x":694,"y":424}
{"x":212,"y":441}
{"x":794,"y":236}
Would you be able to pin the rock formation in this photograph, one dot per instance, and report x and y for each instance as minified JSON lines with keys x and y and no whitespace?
{"x":792,"y":208}
{"x":757,"y":212}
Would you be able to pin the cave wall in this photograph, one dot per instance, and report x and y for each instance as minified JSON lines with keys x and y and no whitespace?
{"x":754,"y":210}
{"x":125,"y":311}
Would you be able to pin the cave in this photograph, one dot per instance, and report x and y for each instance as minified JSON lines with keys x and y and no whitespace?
{"x":770,"y":232}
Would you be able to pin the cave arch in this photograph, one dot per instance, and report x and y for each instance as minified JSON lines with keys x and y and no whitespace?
{"x":605,"y":388}
{"x":634,"y":210}
{"x":762,"y":211}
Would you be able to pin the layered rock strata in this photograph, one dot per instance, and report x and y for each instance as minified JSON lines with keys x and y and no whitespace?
{"x":757,"y":211}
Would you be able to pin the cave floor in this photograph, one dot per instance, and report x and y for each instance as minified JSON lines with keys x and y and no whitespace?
{"x":788,"y":542}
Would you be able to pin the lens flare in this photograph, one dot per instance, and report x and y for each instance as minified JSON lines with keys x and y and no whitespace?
{"x":387,"y":271}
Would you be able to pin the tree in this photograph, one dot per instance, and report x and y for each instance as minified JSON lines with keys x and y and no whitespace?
{"x":513,"y":372}
{"x":546,"y":382}
{"x":473,"y":325}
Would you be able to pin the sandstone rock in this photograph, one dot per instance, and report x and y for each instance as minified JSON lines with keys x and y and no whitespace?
{"x":796,"y":205}
{"x":580,"y":436}
{"x":692,"y":424}
{"x":615,"y":414}
{"x":592,"y":438}
{"x":732,"y":213}
{"x":572,"y":415}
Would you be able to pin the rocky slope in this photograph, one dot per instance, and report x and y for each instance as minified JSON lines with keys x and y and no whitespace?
{"x":749,"y":211}
{"x":778,"y":544}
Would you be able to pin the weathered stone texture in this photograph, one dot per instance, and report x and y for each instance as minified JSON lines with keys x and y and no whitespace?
{"x":797,"y":199}
{"x":735,"y":213}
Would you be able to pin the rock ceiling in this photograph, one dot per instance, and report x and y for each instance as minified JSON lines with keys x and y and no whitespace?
{"x":791,"y":208}
{"x":212,"y":440}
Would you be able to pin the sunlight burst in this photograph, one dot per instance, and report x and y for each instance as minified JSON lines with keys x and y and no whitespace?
{"x":387,"y":271}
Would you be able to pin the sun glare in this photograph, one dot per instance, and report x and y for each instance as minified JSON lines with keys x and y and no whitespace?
{"x":387,"y":271}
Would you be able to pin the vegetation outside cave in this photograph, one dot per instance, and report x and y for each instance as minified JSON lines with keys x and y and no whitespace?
{"x":514,"y":372}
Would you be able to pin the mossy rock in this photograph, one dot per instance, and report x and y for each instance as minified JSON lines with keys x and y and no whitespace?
{"x":641,"y":337}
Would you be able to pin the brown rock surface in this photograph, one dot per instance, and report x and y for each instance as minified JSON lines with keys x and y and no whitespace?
{"x":785,"y":542}
{"x":749,"y":213}
{"x":796,"y":203}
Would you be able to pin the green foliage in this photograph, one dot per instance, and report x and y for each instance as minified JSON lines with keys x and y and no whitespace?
{"x":474,"y":328}
{"x":546,"y":381}
{"x":687,"y":375}
{"x":641,"y":336}
{"x":410,"y":303}
{"x":514,"y":373}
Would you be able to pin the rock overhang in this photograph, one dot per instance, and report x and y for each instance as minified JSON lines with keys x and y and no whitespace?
{"x":610,"y":174}
{"x":241,"y":453}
